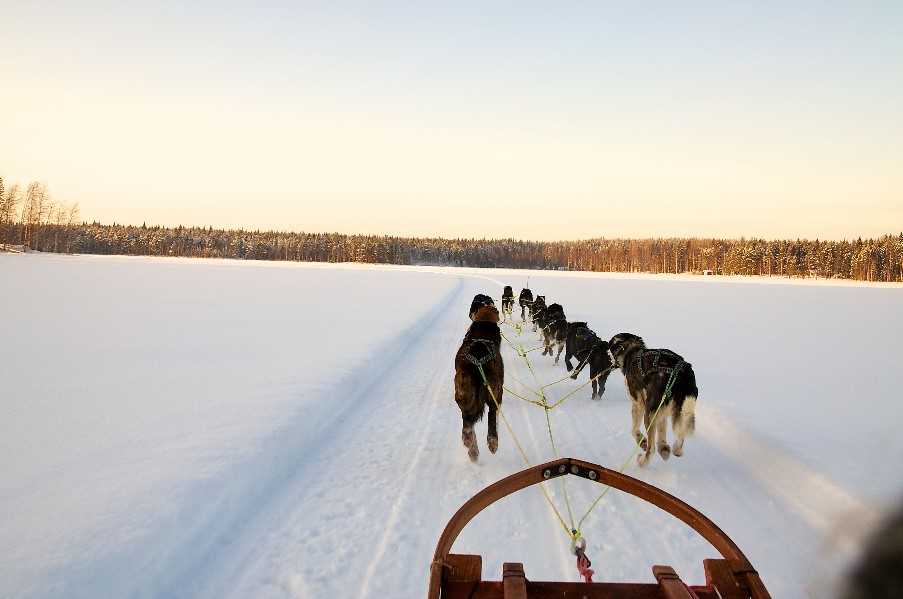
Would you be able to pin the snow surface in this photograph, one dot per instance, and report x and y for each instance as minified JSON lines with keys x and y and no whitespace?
{"x":195,"y":428}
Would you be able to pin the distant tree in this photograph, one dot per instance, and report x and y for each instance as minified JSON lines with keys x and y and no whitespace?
{"x":9,"y":201}
{"x":35,"y":209}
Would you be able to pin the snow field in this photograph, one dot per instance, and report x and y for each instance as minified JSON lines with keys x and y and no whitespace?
{"x":220,"y":428}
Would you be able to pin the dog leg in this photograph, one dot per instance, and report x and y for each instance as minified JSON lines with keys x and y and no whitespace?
{"x":467,"y":396}
{"x":600,"y":380}
{"x":558,"y":355}
{"x":580,"y":368}
{"x":644,"y":457}
{"x":661,"y":431}
{"x":470,"y":441}
{"x":636,"y":412}
{"x":492,"y":437}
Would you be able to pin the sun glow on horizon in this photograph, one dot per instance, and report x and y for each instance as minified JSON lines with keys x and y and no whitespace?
{"x":369,"y":125}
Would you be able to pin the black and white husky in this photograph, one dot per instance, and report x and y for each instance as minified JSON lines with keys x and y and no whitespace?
{"x":582,"y":343}
{"x":538,"y":311}
{"x":554,"y":330}
{"x":525,"y":300}
{"x":647,"y":373}
{"x":507,"y":301}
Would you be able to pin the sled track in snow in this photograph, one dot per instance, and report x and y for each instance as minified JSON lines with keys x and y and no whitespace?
{"x":261,"y":493}
{"x":439,"y":387}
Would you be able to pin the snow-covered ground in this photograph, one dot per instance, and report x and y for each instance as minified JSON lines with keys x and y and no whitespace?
{"x":192,"y":428}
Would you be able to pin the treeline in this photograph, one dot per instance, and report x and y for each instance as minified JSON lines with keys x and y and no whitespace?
{"x":32,"y":218}
{"x":44,"y":225}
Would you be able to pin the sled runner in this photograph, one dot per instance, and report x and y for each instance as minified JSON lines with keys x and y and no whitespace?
{"x":455,"y":576}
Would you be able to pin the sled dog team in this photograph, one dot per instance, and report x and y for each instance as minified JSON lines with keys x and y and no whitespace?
{"x":660,"y":384}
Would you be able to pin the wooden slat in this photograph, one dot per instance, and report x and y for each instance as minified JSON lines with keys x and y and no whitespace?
{"x":494,"y":589}
{"x":754,"y":584}
{"x":748,"y":580}
{"x":671,"y":584}
{"x":463,"y":568}
{"x":514,"y":581}
{"x":718,"y":573}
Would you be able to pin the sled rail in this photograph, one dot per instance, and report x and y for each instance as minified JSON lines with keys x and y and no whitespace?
{"x":459,"y":576}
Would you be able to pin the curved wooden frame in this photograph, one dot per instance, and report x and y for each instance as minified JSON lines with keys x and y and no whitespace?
{"x":564,"y":466}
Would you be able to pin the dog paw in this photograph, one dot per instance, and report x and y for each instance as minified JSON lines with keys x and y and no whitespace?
{"x":664,"y":451}
{"x":468,"y":437}
{"x":493,"y":443}
{"x":473,"y":453}
{"x":678,"y":450}
{"x":642,"y":459}
{"x":643,"y":443}
{"x":574,"y":376}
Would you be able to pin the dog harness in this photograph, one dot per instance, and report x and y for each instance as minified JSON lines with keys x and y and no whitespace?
{"x":657,"y":360}
{"x":587,"y":335}
{"x":491,"y":352}
{"x":664,"y":361}
{"x":556,"y":316}
{"x":557,"y":320}
{"x":583,"y":333}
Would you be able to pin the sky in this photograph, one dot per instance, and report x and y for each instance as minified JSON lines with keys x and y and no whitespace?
{"x":533,"y":120}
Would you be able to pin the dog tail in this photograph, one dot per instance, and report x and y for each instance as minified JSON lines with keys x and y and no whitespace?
{"x":684,"y":422}
{"x":685,"y":419}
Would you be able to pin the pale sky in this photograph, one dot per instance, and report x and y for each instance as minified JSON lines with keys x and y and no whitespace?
{"x":535,"y":120}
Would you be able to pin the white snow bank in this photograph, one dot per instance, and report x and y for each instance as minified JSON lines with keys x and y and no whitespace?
{"x":177,"y":427}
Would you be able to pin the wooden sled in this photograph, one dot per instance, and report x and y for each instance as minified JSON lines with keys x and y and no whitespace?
{"x":455,"y":576}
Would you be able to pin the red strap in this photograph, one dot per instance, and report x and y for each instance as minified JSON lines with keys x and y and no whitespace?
{"x":583,"y":566}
